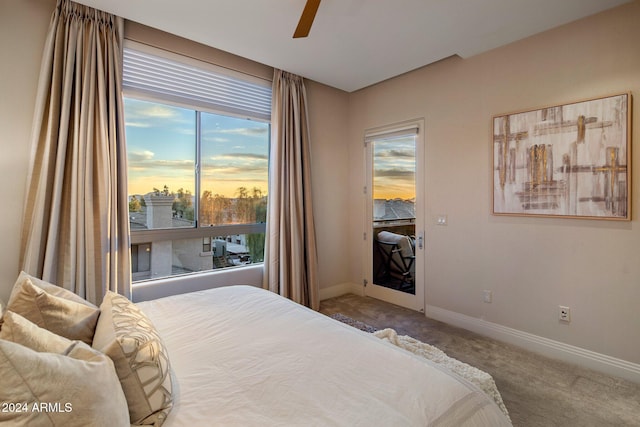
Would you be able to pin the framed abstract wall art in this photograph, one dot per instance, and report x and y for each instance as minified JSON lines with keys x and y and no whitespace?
{"x":571,"y":160}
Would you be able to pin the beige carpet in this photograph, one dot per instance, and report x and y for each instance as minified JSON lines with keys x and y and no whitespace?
{"x":537,"y":391}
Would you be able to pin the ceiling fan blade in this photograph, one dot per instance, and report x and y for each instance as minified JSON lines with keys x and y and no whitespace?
{"x":308,"y":14}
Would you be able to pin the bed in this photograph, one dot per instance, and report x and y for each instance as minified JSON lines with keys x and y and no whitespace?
{"x":236,"y":355}
{"x":245,"y":356}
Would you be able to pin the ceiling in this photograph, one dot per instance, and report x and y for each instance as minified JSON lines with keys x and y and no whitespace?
{"x":354,"y":43}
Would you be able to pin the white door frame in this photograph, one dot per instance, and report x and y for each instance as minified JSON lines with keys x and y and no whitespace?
{"x":415,"y":302}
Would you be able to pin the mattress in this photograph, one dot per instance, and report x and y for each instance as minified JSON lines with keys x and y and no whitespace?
{"x":245,"y":356}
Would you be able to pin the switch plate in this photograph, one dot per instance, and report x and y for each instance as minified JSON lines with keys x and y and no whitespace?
{"x":564,"y":313}
{"x":488,"y":296}
{"x":441,"y":220}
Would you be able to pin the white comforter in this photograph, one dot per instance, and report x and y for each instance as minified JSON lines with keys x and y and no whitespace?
{"x":245,"y":356}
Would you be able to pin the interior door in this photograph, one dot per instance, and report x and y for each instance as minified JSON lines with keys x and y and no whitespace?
{"x":394,"y":200}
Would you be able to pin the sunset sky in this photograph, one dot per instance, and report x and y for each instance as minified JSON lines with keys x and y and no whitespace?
{"x":162,"y":150}
{"x":394,"y":170}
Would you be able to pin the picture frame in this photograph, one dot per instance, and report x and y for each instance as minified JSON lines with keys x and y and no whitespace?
{"x":569,"y":161}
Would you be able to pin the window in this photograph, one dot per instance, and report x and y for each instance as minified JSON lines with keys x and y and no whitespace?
{"x":197,"y":145}
{"x":393,"y":167}
{"x":393,"y":171}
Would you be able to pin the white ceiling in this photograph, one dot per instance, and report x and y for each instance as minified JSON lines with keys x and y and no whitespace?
{"x":354,"y":43}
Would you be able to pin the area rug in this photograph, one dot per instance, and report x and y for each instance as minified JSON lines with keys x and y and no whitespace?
{"x":474,"y":375}
{"x":352,"y":322}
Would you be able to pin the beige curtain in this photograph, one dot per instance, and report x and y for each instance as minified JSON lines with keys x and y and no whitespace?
{"x":291,"y":266}
{"x":76,"y":228}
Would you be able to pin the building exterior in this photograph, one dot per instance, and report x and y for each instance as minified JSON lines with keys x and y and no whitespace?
{"x":181,"y":256}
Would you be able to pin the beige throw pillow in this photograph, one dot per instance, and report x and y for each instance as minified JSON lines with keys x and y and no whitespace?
{"x":59,"y":315}
{"x":126,"y":335}
{"x":51,"y":289}
{"x":76,"y":388}
{"x":19,"y":330}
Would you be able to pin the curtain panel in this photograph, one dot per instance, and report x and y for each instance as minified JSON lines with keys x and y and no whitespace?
{"x":76,"y":226}
{"x":291,"y":266}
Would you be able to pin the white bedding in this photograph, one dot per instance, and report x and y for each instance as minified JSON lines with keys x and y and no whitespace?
{"x":245,"y":356}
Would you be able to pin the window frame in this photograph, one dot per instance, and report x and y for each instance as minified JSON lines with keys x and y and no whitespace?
{"x":197,"y":231}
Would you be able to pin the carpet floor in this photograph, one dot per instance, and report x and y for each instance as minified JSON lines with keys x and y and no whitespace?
{"x":537,"y":391}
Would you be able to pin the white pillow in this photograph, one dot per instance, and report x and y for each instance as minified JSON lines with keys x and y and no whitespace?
{"x":127,"y":335}
{"x":76,"y":388}
{"x":19,"y":330}
{"x":59,"y":314}
{"x":51,"y":289}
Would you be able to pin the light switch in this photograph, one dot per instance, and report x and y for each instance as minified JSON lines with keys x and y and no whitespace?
{"x":442,"y":220}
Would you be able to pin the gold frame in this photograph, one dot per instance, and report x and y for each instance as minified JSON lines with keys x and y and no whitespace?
{"x":568,"y":161}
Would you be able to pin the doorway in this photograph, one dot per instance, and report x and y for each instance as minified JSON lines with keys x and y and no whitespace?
{"x":394,"y":198}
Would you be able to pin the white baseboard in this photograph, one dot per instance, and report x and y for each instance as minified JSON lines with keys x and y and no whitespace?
{"x":341,"y":289}
{"x":537,"y":344}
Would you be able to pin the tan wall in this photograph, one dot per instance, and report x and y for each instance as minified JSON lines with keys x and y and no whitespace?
{"x":328,"y":122}
{"x":23,"y":27}
{"x":532,"y":265}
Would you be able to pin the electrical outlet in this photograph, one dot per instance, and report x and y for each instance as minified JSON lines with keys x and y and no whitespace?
{"x":488,"y":296}
{"x":564,"y":313}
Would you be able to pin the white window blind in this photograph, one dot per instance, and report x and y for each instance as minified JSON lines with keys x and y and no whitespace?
{"x":161,"y":77}
{"x":395,"y":132}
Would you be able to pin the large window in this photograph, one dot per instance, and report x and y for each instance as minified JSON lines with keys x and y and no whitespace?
{"x":197,"y":144}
